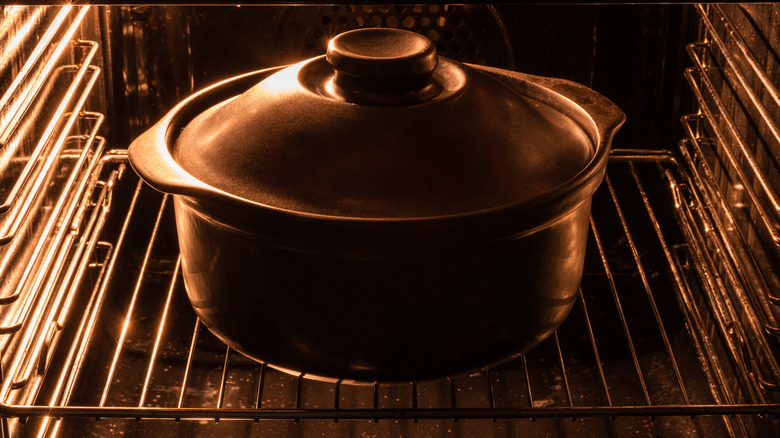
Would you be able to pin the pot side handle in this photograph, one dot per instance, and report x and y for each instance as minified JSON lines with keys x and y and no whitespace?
{"x":607,"y":116}
{"x":150,"y":153}
{"x":590,"y":108}
{"x":150,"y":158}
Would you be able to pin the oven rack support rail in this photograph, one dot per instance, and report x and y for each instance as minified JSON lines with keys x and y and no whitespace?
{"x":49,"y":149}
{"x":37,"y":141}
{"x":728,"y":152}
{"x":616,"y":280}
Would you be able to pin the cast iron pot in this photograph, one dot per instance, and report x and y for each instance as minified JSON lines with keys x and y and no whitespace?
{"x":381,"y":213}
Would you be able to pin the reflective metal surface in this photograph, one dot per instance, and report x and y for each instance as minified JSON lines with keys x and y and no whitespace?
{"x":678,"y":311}
{"x":49,"y":148}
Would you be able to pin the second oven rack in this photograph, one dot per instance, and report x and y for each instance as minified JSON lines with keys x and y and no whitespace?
{"x":650,"y":335}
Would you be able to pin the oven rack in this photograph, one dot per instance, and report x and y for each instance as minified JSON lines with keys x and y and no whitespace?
{"x":651,"y":335}
{"x":49,"y":149}
{"x":741,"y":101}
{"x":732,"y":153}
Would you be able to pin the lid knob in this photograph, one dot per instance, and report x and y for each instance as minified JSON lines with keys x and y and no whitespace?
{"x":383,"y":66}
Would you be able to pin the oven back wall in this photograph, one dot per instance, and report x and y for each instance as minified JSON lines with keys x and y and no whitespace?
{"x":631,"y":54}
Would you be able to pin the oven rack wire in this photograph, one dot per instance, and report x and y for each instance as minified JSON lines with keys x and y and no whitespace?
{"x":624,"y":351}
{"x":49,"y":149}
{"x":731,"y":152}
{"x":743,"y":80}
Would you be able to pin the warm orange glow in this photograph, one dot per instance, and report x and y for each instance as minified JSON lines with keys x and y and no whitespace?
{"x":284,"y":81}
{"x":18,"y":35}
{"x":9,"y":113}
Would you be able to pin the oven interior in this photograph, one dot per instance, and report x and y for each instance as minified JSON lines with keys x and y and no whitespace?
{"x":675,"y":332}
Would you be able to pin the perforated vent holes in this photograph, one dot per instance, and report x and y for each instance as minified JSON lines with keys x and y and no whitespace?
{"x":466,"y":33}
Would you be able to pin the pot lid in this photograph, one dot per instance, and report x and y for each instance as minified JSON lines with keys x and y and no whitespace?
{"x":381,"y":127}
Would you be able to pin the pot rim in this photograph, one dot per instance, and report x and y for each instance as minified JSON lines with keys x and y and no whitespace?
{"x":150,"y":154}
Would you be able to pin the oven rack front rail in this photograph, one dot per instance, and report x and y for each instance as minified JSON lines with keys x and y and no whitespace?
{"x":652,"y":334}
